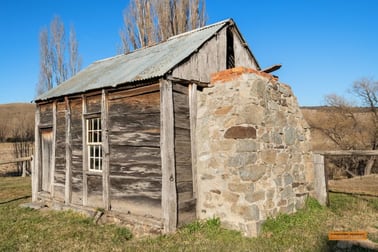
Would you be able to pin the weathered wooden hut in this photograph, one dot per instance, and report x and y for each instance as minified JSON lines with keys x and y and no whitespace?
{"x":119,"y":134}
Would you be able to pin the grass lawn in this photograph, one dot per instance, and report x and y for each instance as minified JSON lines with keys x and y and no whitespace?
{"x":23,"y":229}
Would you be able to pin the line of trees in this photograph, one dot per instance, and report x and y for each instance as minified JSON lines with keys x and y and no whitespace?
{"x":59,"y":57}
{"x":147,"y":22}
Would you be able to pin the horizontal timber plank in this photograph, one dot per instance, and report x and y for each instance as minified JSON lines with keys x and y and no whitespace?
{"x":137,"y":139}
{"x":349,"y":152}
{"x":15,"y":160}
{"x":134,"y":92}
{"x":184,"y":186}
{"x":180,"y":89}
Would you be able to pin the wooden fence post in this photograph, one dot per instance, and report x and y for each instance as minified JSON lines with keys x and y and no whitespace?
{"x":24,"y":168}
{"x":37,"y":157}
{"x":320,"y":183}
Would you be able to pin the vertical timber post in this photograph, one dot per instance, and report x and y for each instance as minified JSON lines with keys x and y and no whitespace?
{"x":37,"y":156}
{"x":169,"y":194}
{"x":24,"y":163}
{"x":193,"y":129}
{"x":105,"y":150}
{"x":68,"y":184}
{"x":320,"y":182}
{"x":53,"y":152}
{"x":85,"y":155}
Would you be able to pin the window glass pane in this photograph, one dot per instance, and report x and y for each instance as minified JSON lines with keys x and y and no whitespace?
{"x":94,"y":137}
{"x":96,"y":151}
{"x":91,"y":154}
{"x":97,"y":164}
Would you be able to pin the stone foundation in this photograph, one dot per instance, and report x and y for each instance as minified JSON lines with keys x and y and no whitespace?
{"x":254,"y":156}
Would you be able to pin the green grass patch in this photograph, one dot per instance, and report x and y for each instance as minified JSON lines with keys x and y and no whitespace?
{"x":23,"y":229}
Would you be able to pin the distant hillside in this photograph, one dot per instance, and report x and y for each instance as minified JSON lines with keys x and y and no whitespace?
{"x":318,"y":139}
{"x":324,"y":116}
{"x":15,"y":115}
{"x":22,"y":114}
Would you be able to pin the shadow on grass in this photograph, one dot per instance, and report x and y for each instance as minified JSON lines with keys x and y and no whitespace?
{"x":12,"y":200}
{"x":363,"y":245}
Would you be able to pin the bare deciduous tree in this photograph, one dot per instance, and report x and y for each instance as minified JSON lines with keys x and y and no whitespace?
{"x":45,"y":81}
{"x":367,"y":92}
{"x":75,"y":59}
{"x":58,"y":49}
{"x":351,"y":127}
{"x":148,"y":22}
{"x":54,"y":68}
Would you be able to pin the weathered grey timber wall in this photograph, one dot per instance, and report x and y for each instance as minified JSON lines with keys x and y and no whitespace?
{"x":60,"y":152}
{"x":77,"y":151}
{"x":134,"y":139}
{"x":254,"y":156}
{"x":212,"y":58}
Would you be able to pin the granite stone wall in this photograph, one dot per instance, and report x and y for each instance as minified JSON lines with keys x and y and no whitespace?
{"x":254,"y":156}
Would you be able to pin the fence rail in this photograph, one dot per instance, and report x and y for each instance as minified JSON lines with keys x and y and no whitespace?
{"x":24,"y":161}
{"x":348,"y":153}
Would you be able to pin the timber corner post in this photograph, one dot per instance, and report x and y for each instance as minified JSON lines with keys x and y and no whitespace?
{"x":169,"y":194}
{"x":105,"y":147}
{"x":36,"y":160}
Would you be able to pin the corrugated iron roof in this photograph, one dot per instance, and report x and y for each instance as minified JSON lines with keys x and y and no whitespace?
{"x":142,"y":64}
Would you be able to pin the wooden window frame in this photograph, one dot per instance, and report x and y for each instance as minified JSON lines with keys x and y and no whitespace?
{"x":94,"y":143}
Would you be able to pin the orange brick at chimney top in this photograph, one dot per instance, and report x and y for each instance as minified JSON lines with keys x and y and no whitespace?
{"x":233,"y":73}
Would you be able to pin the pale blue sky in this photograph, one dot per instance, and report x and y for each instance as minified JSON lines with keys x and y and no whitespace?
{"x":323,"y":45}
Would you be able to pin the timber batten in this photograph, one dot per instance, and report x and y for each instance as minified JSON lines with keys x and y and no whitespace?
{"x":84,"y":151}
{"x":53,"y":150}
{"x":193,"y":128}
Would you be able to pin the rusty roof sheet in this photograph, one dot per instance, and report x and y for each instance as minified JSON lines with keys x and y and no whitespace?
{"x":142,"y":64}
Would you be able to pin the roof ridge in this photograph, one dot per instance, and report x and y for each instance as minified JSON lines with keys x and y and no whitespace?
{"x":170,"y":38}
{"x":108,"y":58}
{"x":199,"y":29}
